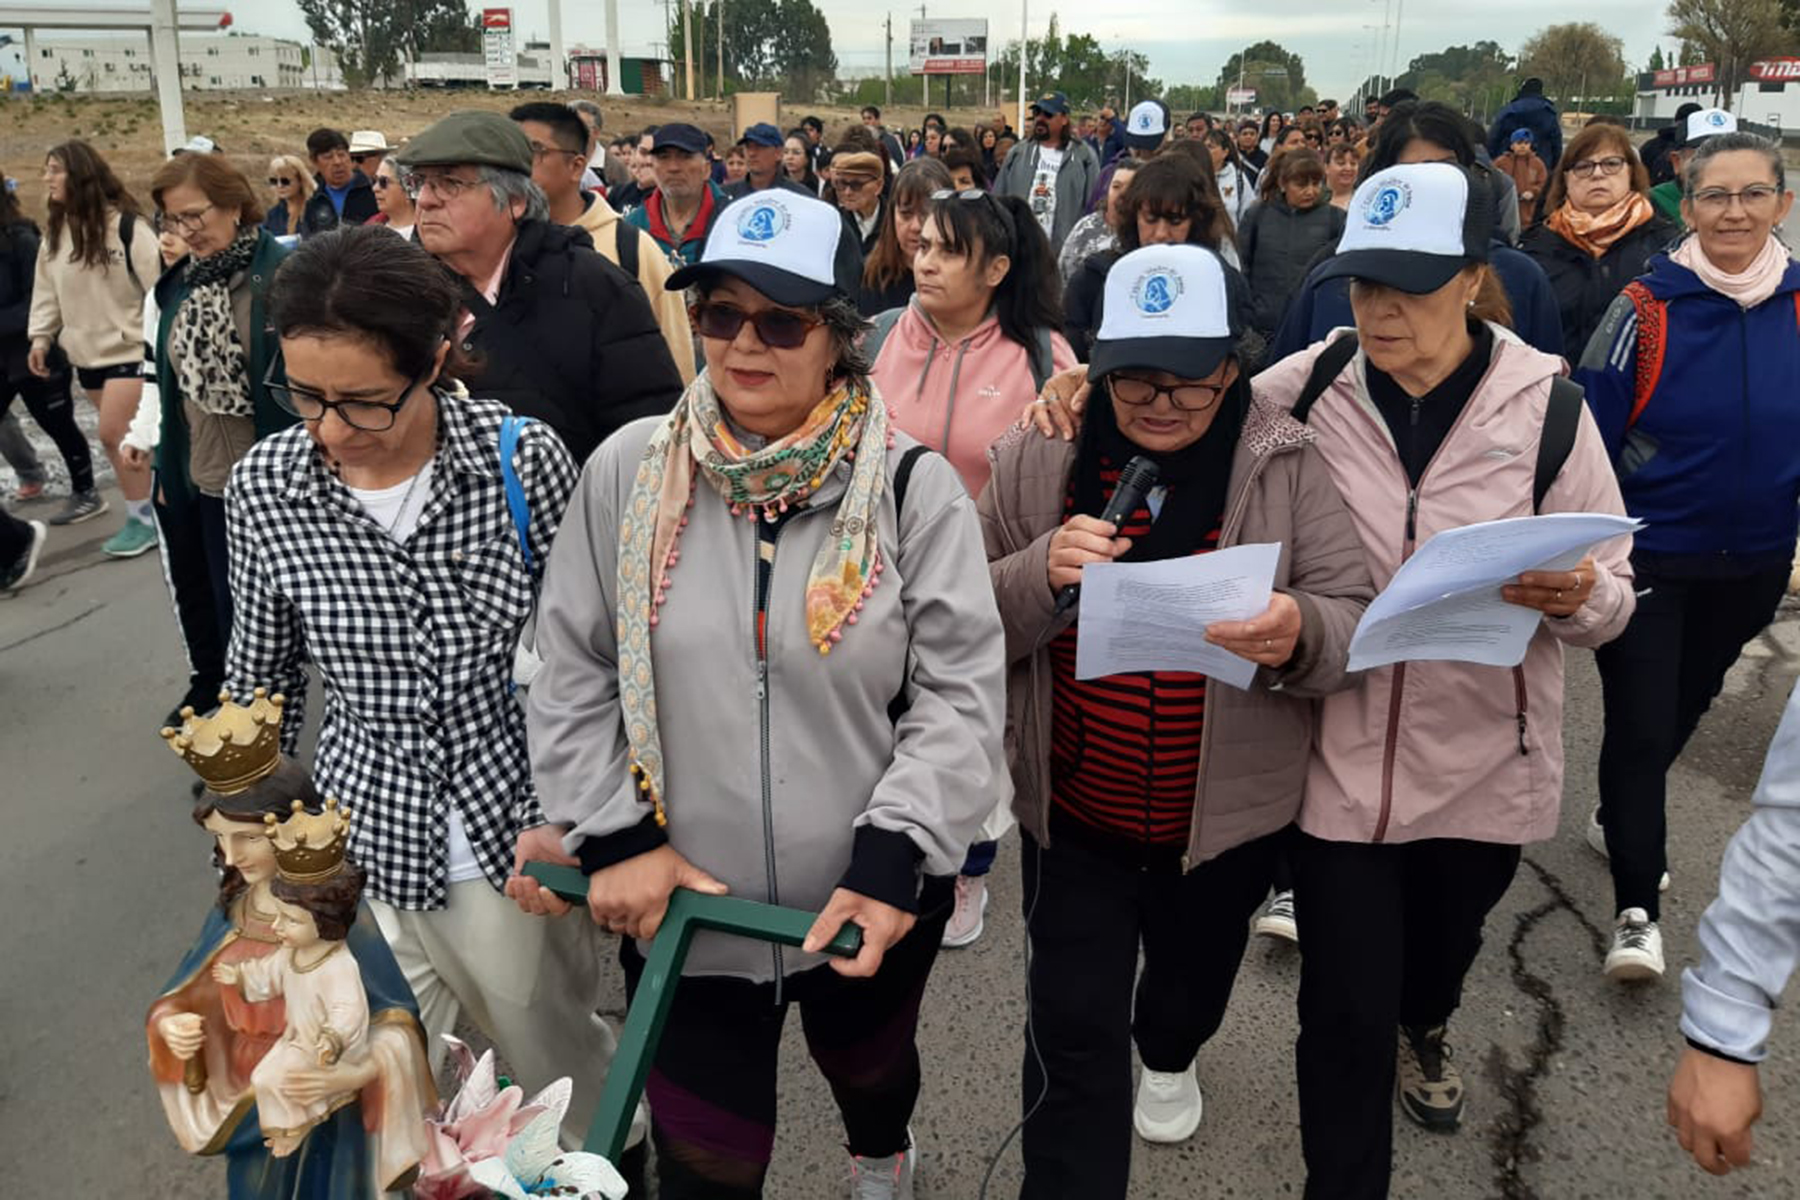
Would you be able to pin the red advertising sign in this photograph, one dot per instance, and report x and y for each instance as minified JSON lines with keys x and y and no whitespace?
{"x":1776,"y":70}
{"x":587,"y":75}
{"x":496,"y":18}
{"x":1682,"y":76}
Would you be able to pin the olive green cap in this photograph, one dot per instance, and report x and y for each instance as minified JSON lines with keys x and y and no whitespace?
{"x":483,"y":139}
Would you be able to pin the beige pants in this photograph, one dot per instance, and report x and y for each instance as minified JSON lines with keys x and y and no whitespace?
{"x":531,"y":984}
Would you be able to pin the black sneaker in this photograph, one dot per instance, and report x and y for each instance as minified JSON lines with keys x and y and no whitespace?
{"x":1430,"y":1086}
{"x":82,"y":506}
{"x":19,"y":574}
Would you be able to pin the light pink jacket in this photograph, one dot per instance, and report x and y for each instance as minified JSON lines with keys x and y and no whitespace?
{"x":958,"y":397}
{"x":1447,"y":749}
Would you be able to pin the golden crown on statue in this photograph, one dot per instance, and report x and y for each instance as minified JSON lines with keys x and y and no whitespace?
{"x":309,"y":847}
{"x":236,"y":746}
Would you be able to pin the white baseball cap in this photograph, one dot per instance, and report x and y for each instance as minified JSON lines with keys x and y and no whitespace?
{"x":1708,"y":122}
{"x":1414,"y":227}
{"x":1169,"y":308}
{"x":788,"y":246}
{"x":367,"y":141}
{"x":1147,"y":125}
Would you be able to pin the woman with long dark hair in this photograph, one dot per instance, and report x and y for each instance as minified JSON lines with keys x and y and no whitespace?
{"x":956,"y":364}
{"x":48,"y":400}
{"x":887,"y":280}
{"x":97,"y":260}
{"x":797,"y":160}
{"x":1236,"y":179}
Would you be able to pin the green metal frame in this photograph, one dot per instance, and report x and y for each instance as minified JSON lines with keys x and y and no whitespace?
{"x":688,"y":911}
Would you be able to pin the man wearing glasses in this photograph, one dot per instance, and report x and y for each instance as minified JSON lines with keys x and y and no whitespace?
{"x":367,"y":148}
{"x":557,"y":331}
{"x":679,"y":213}
{"x":558,"y":168}
{"x":343,"y":196}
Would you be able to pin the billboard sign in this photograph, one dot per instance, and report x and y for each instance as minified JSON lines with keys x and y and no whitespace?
{"x":1240,"y":97}
{"x":1683,"y":76}
{"x":497,"y":48}
{"x":949,"y":47}
{"x":1776,"y":70}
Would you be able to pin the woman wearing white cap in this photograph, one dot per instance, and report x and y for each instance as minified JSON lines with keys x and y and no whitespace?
{"x":1151,"y":801}
{"x":1428,"y":777}
{"x":773,"y":669}
{"x":1692,"y":377}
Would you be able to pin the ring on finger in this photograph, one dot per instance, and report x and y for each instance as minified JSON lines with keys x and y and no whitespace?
{"x":1559,"y":597}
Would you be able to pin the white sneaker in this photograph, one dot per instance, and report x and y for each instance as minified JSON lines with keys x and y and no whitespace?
{"x":889,"y":1178}
{"x":1277,"y":920}
{"x":1637,"y":952}
{"x":969,"y":917}
{"x":1596,"y":840}
{"x":1168,"y":1106}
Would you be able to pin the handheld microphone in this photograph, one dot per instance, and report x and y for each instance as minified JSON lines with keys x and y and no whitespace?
{"x":1135,"y":481}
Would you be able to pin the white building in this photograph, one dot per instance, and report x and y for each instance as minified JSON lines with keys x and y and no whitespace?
{"x":1769,"y":98}
{"x":121,"y":62}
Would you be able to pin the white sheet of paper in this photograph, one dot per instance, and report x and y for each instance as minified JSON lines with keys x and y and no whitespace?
{"x":1444,"y":603}
{"x":1153,"y":616}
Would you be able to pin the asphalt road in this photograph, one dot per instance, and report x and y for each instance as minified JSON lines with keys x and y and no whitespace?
{"x":104,"y":880}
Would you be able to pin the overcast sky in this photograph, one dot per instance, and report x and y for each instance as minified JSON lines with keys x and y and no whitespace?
{"x":1339,"y":51}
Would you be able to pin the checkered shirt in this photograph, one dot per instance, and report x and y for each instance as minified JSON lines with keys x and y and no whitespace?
{"x":414,"y":640}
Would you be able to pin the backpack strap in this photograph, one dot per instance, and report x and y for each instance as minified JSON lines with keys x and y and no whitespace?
{"x":877,"y":337}
{"x":1326,"y":368}
{"x":127,"y":229}
{"x":625,"y":242}
{"x":1652,"y":343}
{"x":1562,"y":421}
{"x":515,"y":491}
{"x":1043,"y":361}
{"x":903,"y":476}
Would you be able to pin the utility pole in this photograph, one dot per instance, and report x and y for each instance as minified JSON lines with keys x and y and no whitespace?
{"x":613,"y":86}
{"x":925,"y":79}
{"x":1024,"y":45}
{"x":888,"y":101}
{"x":719,"y":20}
{"x":165,"y":46}
{"x":559,"y":69}
{"x":687,"y":42}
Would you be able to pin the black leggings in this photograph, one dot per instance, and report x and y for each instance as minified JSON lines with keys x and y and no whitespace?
{"x":1658,"y":678}
{"x":712,"y":1086}
{"x":52,"y":406}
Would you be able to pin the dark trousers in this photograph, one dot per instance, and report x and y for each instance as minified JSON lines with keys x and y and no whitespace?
{"x":1389,"y":933}
{"x":1658,"y":678}
{"x":199,"y":591}
{"x":712,"y":1086}
{"x":1088,"y":915}
{"x":53,"y":407}
{"x":15,"y":540}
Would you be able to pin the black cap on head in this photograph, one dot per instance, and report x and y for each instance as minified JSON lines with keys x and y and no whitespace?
{"x":689,"y":139}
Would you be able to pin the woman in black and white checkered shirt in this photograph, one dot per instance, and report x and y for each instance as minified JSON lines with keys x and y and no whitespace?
{"x":375,"y":541}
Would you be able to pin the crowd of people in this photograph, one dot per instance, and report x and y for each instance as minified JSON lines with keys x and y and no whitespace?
{"x":716,"y":520}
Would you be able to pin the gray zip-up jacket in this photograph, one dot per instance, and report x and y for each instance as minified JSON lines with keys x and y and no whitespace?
{"x":1750,"y":936}
{"x":786,"y":776}
{"x":1074,"y":181}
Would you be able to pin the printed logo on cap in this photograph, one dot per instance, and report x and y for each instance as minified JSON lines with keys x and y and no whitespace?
{"x":1717,"y":119}
{"x":1144,"y":122}
{"x":762,"y":223}
{"x":1388,"y":202}
{"x":1155,"y":292}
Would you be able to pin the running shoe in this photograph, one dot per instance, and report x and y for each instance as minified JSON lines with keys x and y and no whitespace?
{"x":1277,"y":920}
{"x":132,"y":540}
{"x":1430,"y":1086}
{"x":82,"y":506}
{"x":1637,"y":949}
{"x":19,"y":574}
{"x":1169,"y":1105}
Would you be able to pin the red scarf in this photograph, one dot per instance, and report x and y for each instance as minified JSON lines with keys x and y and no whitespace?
{"x":696,"y":230}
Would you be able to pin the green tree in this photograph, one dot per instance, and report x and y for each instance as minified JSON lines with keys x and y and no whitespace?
{"x":371,"y":38}
{"x":1579,"y":59}
{"x":1276,"y":74}
{"x":1732,"y":34}
{"x":1657,"y":63}
{"x":769,"y":45}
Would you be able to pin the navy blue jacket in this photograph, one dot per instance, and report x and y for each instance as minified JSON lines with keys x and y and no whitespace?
{"x":1528,"y":112}
{"x":1322,"y":306}
{"x":1709,"y":466}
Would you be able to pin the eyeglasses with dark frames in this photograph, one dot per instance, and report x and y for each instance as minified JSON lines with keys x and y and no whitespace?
{"x":777,"y":328}
{"x":1756,"y":196}
{"x":1183,"y":397}
{"x":370,"y":416}
{"x":280,"y":181}
{"x":1606,"y":167}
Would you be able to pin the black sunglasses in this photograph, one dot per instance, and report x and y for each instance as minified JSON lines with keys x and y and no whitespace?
{"x":279,"y":181}
{"x":777,"y":328}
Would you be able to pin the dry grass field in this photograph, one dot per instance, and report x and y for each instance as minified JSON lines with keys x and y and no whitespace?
{"x":252,"y":126}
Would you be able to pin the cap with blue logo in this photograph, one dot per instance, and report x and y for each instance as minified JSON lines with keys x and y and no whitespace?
{"x":1147,"y":125}
{"x":790,"y":247}
{"x":1169,"y":308}
{"x":1708,"y":122}
{"x":1414,"y":227}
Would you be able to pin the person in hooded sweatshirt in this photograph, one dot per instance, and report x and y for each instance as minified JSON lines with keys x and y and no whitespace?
{"x":1529,"y":110}
{"x":956,"y":365}
{"x":1281,"y":234}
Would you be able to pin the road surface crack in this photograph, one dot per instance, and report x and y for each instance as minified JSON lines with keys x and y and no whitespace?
{"x":1517,"y":1086}
{"x":83,"y":615}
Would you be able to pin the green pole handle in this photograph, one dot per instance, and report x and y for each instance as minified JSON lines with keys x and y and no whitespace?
{"x":688,"y":911}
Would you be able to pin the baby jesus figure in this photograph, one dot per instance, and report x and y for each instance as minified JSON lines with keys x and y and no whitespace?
{"x":327,"y":1009}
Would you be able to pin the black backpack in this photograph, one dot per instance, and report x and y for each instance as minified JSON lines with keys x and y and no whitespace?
{"x":1562,"y":418}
